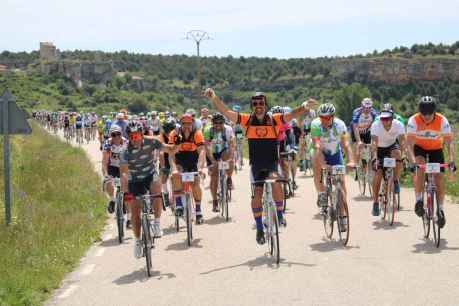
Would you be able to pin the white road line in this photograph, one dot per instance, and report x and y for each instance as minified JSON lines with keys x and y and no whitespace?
{"x":88,"y":269}
{"x":100,"y":252}
{"x":67,"y":292}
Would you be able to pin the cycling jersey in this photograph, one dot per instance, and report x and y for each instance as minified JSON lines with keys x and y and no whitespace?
{"x":308,"y":117}
{"x":187,"y":148}
{"x":363,"y":120}
{"x":262,"y":138}
{"x":330,"y":138}
{"x":387,"y":138}
{"x":429,"y":136}
{"x":141,"y":160}
{"x":155,"y":125}
{"x":115,"y":150}
{"x":219,"y":141}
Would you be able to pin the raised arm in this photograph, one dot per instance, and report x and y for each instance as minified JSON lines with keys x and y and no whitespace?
{"x":300,"y":110}
{"x":220,"y":106}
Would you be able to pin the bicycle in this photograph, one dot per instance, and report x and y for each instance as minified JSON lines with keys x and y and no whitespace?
{"x":387,"y":196}
{"x":336,"y":209}
{"x":364,"y":172}
{"x":289,"y":191}
{"x":307,"y":162}
{"x":431,"y":208}
{"x":270,"y":219}
{"x":238,"y":153}
{"x":147,"y":239}
{"x":223,"y":190}
{"x":188,"y":205}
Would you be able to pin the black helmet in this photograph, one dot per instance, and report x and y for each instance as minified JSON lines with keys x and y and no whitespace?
{"x":168,"y":126}
{"x":134,"y":126}
{"x":217,"y":117}
{"x":427,"y":105}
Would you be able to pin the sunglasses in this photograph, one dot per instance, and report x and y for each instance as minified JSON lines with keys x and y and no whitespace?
{"x":386,"y":119}
{"x":258,"y":103}
{"x":115,"y":134}
{"x":135,"y":136}
{"x":325,"y":117}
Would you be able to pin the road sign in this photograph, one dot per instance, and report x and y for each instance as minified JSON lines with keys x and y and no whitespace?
{"x":17,"y":123}
{"x":12,"y":121}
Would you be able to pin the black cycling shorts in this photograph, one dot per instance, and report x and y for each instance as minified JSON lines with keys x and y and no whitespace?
{"x":386,"y":152}
{"x":139,"y":188}
{"x":262,"y":172}
{"x":113,"y":171}
{"x":435,"y":156}
{"x":188,"y":161}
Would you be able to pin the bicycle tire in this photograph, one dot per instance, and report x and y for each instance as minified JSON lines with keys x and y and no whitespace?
{"x":120,"y":218}
{"x":274,"y":237}
{"x":327,"y":218}
{"x":189,"y":223}
{"x":361,"y":180}
{"x":436,"y":228}
{"x":146,"y":236}
{"x":398,"y":200}
{"x":343,"y":238}
{"x":391,"y":203}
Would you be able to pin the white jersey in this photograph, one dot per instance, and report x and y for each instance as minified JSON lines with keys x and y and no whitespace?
{"x":155,"y":124}
{"x":387,"y":138}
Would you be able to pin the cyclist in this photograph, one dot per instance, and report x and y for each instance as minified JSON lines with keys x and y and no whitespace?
{"x":297,"y":135}
{"x":188,"y":156}
{"x":154,"y":123}
{"x":388,"y":140}
{"x":113,"y":147}
{"x":428,"y":131}
{"x":165,"y":166}
{"x":308,"y":117}
{"x":362,"y":118}
{"x":329,"y":135}
{"x":100,"y":131}
{"x":122,"y":122}
{"x":261,"y":130}
{"x":388,"y":106}
{"x":219,"y":139}
{"x":79,"y":126}
{"x":239,"y":134}
{"x":139,"y":176}
{"x":204,"y":116}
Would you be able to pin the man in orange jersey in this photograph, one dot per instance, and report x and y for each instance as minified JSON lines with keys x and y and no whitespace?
{"x":188,"y":156}
{"x":428,"y":131}
{"x":261,"y":131}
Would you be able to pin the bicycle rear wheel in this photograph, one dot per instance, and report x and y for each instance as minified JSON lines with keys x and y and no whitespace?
{"x":147,"y":243}
{"x":189,"y":223}
{"x":343,"y":218}
{"x":361,"y":178}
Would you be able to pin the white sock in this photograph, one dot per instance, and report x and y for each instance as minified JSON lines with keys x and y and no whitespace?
{"x":164,"y":188}
{"x":418,"y":196}
{"x":157,"y":221}
{"x":113,"y":199}
{"x":129,"y":216}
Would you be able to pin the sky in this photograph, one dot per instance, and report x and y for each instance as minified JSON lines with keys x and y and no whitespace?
{"x":282,"y":28}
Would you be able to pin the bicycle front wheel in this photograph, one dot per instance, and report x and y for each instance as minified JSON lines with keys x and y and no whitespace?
{"x":361,"y":179}
{"x":391,"y":203}
{"x":120,"y":217}
{"x":274,"y":237}
{"x":328,"y":218}
{"x":189,"y":223}
{"x":436,"y":228}
{"x":343,"y":219}
{"x":147,"y":243}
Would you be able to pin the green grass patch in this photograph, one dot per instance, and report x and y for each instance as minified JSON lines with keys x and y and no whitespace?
{"x":58,"y":212}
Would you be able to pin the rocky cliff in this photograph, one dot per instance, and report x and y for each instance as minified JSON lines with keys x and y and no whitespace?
{"x":81,"y":71}
{"x":398,"y":70}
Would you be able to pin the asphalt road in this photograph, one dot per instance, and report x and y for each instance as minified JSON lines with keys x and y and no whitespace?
{"x":382,"y":264}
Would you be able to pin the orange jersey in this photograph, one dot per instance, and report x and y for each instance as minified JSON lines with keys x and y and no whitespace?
{"x":265,"y":129}
{"x":191,"y":144}
{"x":429,"y":136}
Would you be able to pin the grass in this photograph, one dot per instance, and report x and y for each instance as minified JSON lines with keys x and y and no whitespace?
{"x":58,"y":212}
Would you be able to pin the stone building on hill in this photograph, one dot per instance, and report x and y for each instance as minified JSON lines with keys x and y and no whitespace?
{"x":48,"y":52}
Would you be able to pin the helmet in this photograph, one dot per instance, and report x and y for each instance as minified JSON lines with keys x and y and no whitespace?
{"x":115,"y":129}
{"x":294,"y":122}
{"x":367,"y":102}
{"x":104,"y":117}
{"x":217,"y":117}
{"x":237,"y":108}
{"x":205,"y":109}
{"x":427,"y":105}
{"x":191,"y":111}
{"x":287,"y":109}
{"x":387,"y":107}
{"x":186,"y":118}
{"x":167,"y":113}
{"x":153,"y":113}
{"x":277,"y":110}
{"x":133,"y":127}
{"x":259,"y":94}
{"x":326,"y":109}
{"x":120,"y":116}
{"x":168,"y":126}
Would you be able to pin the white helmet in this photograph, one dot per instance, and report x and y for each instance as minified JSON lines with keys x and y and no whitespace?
{"x":115,"y":129}
{"x":367,"y":102}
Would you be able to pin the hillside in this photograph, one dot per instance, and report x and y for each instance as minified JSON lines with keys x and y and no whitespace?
{"x":106,"y":81}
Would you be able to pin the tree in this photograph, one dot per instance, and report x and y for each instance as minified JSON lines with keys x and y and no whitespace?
{"x":138,"y":105}
{"x":349,"y":98}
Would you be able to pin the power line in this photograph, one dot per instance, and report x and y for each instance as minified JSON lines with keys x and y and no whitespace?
{"x":198,"y":36}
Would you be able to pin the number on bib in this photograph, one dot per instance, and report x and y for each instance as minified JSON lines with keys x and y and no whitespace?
{"x":338,"y":170}
{"x":432,"y":168}
{"x":389,"y":162}
{"x":187,"y":177}
{"x":223,"y":165}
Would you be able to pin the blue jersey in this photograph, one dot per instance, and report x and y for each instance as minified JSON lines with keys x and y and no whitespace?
{"x":363,"y":120}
